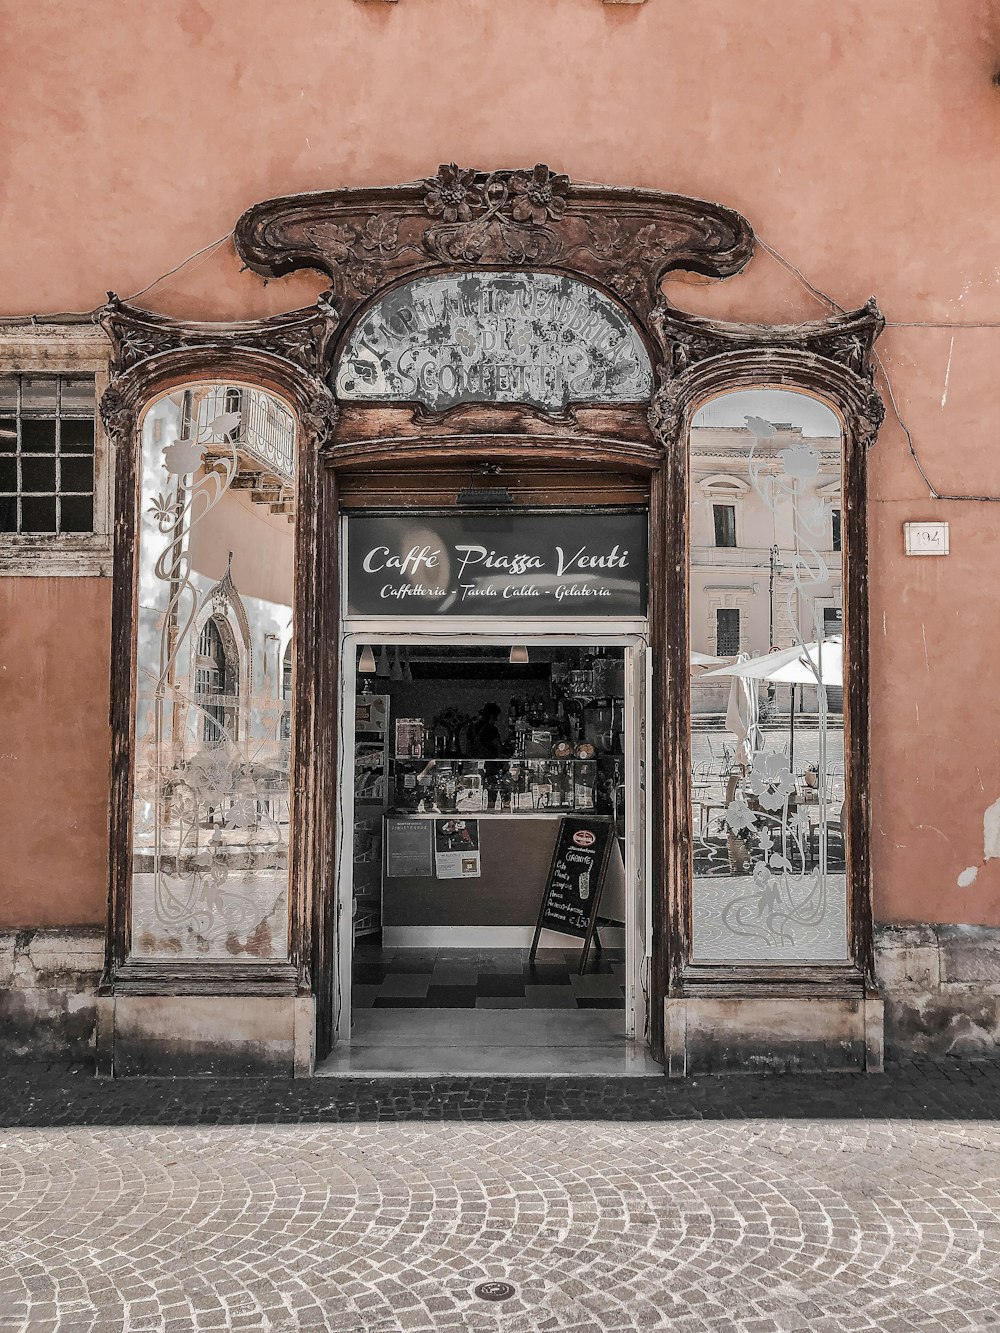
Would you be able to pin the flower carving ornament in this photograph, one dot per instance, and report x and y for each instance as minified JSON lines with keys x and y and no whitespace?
{"x":538,"y":196}
{"x":451,"y":193}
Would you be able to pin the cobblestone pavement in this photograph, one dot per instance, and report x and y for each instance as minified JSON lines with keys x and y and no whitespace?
{"x":753,"y":1204}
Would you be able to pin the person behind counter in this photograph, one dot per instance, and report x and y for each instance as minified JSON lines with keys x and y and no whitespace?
{"x":487,"y":743}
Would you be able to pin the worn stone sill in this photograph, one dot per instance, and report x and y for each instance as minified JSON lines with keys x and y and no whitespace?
{"x":165,"y":976}
{"x":57,"y":556}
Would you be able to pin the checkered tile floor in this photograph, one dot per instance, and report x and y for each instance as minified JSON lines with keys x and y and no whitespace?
{"x":486,"y":979}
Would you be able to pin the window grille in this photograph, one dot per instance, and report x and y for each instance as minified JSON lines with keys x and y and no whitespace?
{"x":210,"y":682}
{"x":727,"y":632}
{"x":46,"y":453}
{"x":835,"y":519}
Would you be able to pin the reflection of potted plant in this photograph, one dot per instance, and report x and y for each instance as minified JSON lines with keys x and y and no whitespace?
{"x":811,"y":775}
{"x":452,"y":720}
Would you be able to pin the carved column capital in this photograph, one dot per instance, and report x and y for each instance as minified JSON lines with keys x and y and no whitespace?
{"x":118,"y":413}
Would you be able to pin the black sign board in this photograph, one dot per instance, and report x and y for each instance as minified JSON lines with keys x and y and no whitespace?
{"x":517,"y":563}
{"x":572,"y":895}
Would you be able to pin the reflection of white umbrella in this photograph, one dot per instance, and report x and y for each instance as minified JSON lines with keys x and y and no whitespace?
{"x":803,"y":664}
{"x":741,"y":714}
{"x":699,"y":661}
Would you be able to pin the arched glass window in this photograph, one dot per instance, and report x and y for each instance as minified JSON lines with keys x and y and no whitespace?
{"x":768,"y":810}
{"x":211,"y":808}
{"x":494,"y":337}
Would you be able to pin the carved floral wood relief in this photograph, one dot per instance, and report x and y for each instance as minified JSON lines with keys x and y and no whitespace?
{"x":626,"y":240}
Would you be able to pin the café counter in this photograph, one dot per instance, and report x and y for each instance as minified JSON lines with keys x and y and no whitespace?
{"x":502,"y":900}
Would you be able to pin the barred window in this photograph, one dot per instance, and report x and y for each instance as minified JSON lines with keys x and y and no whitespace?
{"x":47,"y":453}
{"x":727,"y":632}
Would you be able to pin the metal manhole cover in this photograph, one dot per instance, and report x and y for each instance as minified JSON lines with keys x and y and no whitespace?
{"x":494,"y":1291}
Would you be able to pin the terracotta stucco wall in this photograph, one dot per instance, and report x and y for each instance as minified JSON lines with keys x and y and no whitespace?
{"x":860,"y":140}
{"x":54,"y":751}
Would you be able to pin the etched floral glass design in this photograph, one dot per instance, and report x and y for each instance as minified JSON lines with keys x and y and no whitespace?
{"x":537,"y":338}
{"x":768,"y":812}
{"x":213,"y":695}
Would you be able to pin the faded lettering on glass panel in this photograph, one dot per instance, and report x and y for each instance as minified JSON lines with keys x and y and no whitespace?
{"x":213,"y":733}
{"x":767,"y":725}
{"x":533,"y":338}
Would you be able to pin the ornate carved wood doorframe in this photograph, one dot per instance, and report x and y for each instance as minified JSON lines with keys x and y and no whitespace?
{"x":622,"y":241}
{"x":831,"y":360}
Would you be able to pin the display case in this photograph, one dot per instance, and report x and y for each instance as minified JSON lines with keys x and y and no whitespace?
{"x":372,"y":794}
{"x":508,"y":786}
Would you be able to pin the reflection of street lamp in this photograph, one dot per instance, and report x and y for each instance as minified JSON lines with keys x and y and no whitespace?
{"x":776,"y":568}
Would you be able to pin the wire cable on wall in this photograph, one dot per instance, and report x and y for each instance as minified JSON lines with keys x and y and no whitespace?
{"x":817,"y":293}
{"x":92,"y":314}
{"x":880,"y":364}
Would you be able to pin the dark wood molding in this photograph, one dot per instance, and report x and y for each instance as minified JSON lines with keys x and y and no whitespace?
{"x":831,"y":360}
{"x":846,"y":339}
{"x":716,"y":980}
{"x":151,"y":356}
{"x":139,"y":335}
{"x":365,"y":240}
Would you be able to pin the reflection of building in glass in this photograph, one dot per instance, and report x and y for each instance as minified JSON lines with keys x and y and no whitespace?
{"x":745,"y":552}
{"x":767,"y":753}
{"x":213,"y":669}
{"x":214,"y":666}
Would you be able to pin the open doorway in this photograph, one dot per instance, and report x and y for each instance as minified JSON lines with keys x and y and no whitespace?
{"x":495,"y":889}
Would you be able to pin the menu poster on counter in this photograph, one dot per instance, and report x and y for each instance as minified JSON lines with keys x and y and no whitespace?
{"x":409,"y":848}
{"x":572,"y":894}
{"x":456,"y":849}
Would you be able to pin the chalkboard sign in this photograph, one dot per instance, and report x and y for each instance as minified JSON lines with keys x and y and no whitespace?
{"x":575,"y":882}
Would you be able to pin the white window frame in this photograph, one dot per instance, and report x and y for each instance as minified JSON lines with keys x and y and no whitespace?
{"x":724,"y":488}
{"x":39,"y":348}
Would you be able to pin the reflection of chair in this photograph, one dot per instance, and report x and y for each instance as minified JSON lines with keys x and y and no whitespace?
{"x":739,"y":853}
{"x":833,"y":831}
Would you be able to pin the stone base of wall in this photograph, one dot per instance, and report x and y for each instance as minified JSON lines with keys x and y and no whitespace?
{"x":942,"y":988}
{"x":205,"y":1035}
{"x":708,"y":1035}
{"x":48,"y":993}
{"x":940,"y":984}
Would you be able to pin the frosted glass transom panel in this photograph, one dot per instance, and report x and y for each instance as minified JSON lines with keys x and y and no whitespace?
{"x":535,"y":338}
{"x":213,"y":695}
{"x":768,"y":814}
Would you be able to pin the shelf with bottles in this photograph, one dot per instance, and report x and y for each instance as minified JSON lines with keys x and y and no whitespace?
{"x":535,"y":728}
{"x":509,"y":786}
{"x":584,"y":675}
